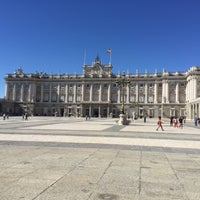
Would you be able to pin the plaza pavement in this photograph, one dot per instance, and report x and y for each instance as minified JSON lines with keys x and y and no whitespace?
{"x":53,"y":158}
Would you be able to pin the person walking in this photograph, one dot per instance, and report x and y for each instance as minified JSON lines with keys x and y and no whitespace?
{"x":171,"y":121}
{"x":145,"y":119}
{"x":181,"y":122}
{"x":195,"y":120}
{"x":159,"y":122}
{"x":175,"y":122}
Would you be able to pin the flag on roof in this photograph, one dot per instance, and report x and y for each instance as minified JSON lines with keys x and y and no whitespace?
{"x":108,"y":50}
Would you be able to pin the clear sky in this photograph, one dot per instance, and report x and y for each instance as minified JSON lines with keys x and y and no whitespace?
{"x":52,"y":35}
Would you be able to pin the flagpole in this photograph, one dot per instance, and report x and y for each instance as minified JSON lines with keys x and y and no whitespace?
{"x":109,"y":51}
{"x":110,"y":57}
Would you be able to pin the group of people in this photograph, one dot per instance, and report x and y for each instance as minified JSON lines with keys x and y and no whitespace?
{"x":177,"y":122}
{"x":5,"y":116}
{"x":174,"y":121}
{"x":24,"y":116}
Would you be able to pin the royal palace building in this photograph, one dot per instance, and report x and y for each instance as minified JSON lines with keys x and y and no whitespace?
{"x":97,"y":92}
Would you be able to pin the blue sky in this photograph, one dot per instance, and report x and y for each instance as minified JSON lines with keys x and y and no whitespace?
{"x":52,"y":35}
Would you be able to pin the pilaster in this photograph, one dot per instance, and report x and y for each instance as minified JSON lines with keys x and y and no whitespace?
{"x":91,"y":92}
{"x":177,"y":92}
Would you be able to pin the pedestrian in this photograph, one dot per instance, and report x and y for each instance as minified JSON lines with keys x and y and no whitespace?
{"x":171,"y":121}
{"x":181,"y":122}
{"x":159,"y":123}
{"x":175,"y":122}
{"x":195,"y":121}
{"x":145,"y":119}
{"x":26,"y":116}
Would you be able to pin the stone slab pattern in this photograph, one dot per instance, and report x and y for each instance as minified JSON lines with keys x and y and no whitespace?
{"x":56,"y":173}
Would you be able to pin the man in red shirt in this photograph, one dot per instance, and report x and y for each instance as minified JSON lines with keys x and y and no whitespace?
{"x":159,"y":122}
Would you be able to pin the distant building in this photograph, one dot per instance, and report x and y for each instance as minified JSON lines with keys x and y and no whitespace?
{"x":95,"y":93}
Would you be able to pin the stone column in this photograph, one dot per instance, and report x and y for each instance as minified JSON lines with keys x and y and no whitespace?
{"x":83,"y":91}
{"x":42,"y":90}
{"x":58,"y":92}
{"x":90,"y":110}
{"x":29,"y":92}
{"x":6,"y":91}
{"x":163,"y":91}
{"x":146,"y":93}
{"x":14,"y":92}
{"x":33,"y":92}
{"x":22,"y":93}
{"x":50,"y":92}
{"x":186,"y":92}
{"x":167,"y":92}
{"x":195,"y":87}
{"x":136,"y":93}
{"x":109,"y":91}
{"x":100,"y":92}
{"x":66,"y":93}
{"x":118,"y":96}
{"x":91,"y":92}
{"x":156,"y":93}
{"x":75,"y":93}
{"x":177,"y":92}
{"x":189,"y":90}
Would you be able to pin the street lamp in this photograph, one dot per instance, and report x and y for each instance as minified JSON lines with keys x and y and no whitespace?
{"x":122,"y":82}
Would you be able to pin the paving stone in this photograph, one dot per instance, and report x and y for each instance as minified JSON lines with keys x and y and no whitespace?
{"x":97,"y":159}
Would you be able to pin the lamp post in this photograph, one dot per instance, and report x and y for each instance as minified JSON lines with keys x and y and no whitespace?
{"x":122,"y":82}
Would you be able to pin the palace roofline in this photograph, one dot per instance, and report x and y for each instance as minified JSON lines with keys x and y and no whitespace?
{"x":42,"y":75}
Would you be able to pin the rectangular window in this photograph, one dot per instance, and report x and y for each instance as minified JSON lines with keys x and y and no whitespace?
{"x":78,"y":98}
{"x":62,"y":98}
{"x":151,"y":113}
{"x":132,"y":98}
{"x":141,"y":99}
{"x":46,"y":97}
{"x":132,"y":85}
{"x":141,"y":85}
{"x":150,"y":99}
{"x":62,"y":86}
{"x":70,"y":98}
{"x":54,"y":97}
{"x":172,"y":112}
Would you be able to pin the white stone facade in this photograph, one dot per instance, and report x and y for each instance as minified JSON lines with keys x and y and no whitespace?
{"x":95,"y":93}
